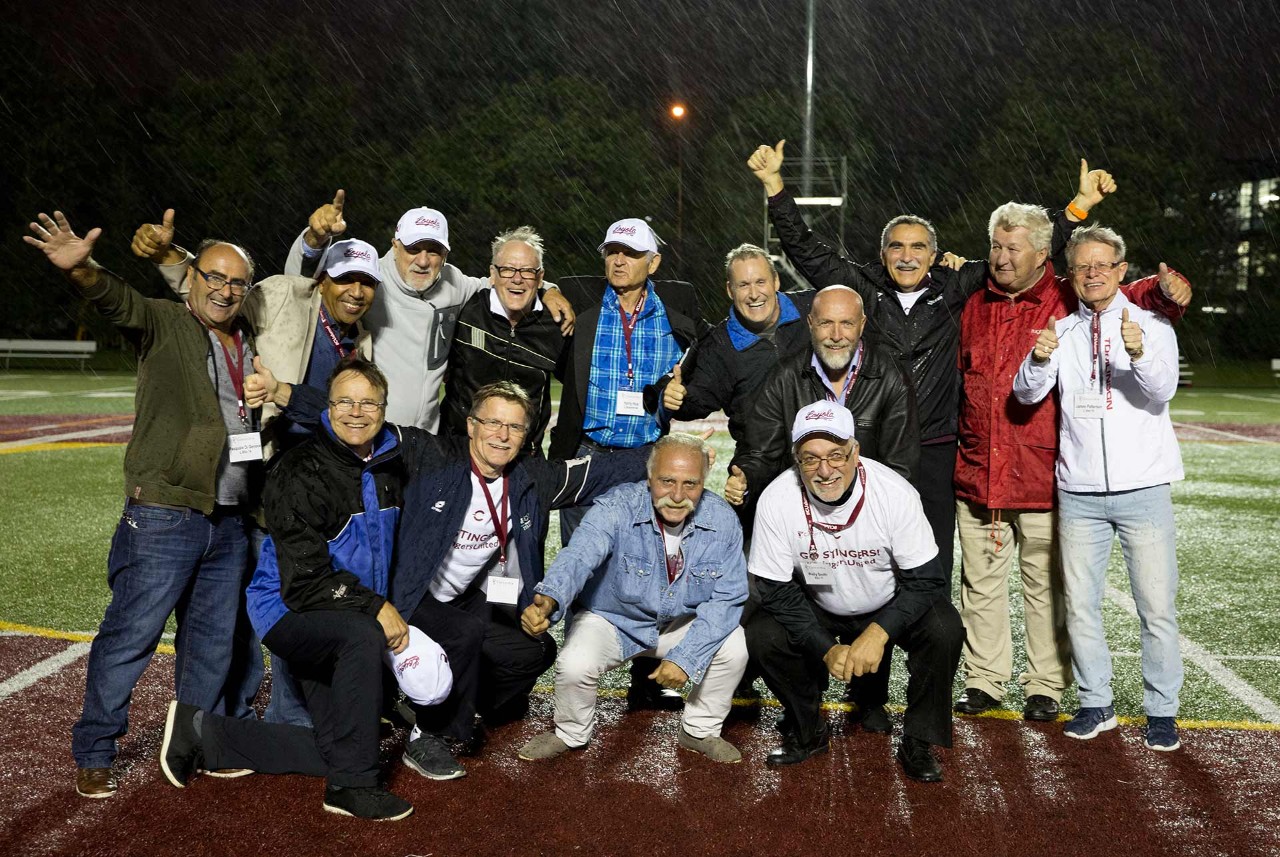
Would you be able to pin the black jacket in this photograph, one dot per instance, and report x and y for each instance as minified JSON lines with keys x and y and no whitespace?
{"x":487,"y":348}
{"x":585,"y":294}
{"x":881,"y":400}
{"x":926,"y":341}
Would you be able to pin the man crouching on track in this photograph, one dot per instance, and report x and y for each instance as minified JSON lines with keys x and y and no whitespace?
{"x":653,"y":570}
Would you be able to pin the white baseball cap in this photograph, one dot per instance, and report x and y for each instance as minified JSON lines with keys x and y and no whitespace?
{"x":631,"y":232}
{"x":344,"y":257}
{"x":823,"y":418}
{"x":423,"y":224}
{"x":422,"y":669}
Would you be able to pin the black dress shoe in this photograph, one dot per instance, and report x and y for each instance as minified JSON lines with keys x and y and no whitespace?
{"x":649,"y":695}
{"x":918,"y":761}
{"x":1040,"y":707}
{"x":974,"y":701}
{"x":792,"y":752}
{"x":873,"y":718}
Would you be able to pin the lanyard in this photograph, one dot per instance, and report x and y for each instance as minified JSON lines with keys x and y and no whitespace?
{"x":1097,"y":346}
{"x":235,"y":370}
{"x":832,"y":529}
{"x":629,"y":325}
{"x":333,"y":336}
{"x":850,"y":379}
{"x":499,"y":521}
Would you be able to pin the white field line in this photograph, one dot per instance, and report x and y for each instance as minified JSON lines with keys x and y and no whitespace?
{"x":71,"y":435}
{"x":1271,"y":400}
{"x":1220,"y":433}
{"x":1210,"y":663}
{"x":15,"y":395}
{"x":1272,"y":659}
{"x":42,"y":670}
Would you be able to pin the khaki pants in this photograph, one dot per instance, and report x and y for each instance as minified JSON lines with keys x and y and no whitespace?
{"x":988,"y":540}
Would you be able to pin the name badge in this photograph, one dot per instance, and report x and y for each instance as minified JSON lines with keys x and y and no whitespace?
{"x":631,"y":403}
{"x":1088,"y":406}
{"x":817,"y":573}
{"x":503,"y":590}
{"x":246,"y":446}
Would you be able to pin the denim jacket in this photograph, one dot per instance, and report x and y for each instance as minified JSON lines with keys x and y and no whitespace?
{"x":615,"y":566}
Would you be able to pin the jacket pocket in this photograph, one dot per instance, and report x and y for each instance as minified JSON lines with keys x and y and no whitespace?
{"x":700,"y":582}
{"x":632,"y":585}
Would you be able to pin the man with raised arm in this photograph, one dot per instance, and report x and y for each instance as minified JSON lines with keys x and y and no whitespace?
{"x":192,"y":472}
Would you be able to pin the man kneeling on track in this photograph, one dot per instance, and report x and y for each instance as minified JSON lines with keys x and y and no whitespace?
{"x":319,"y":601}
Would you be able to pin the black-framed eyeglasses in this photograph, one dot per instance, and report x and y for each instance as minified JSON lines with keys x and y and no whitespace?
{"x":217,"y":282}
{"x":346,"y":406}
{"x":508,"y":273}
{"x":809,"y":463}
{"x":1100,"y":267}
{"x":497,"y":425}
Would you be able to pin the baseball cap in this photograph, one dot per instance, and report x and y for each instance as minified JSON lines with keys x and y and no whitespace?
{"x":423,"y":224}
{"x":632,"y":232}
{"x":352,"y":255}
{"x":422,"y":669}
{"x":822,"y":418}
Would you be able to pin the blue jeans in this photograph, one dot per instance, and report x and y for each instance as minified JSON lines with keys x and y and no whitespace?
{"x":162,"y":560}
{"x":1143,"y":518}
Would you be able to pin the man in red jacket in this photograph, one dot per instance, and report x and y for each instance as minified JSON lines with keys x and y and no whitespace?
{"x":1004,"y":468}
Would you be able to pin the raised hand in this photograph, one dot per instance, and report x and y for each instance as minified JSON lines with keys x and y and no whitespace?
{"x":535,"y":619}
{"x":1046,"y":342}
{"x":152,"y":241}
{"x":65,"y":250}
{"x":1131,"y":333}
{"x":673,"y":395}
{"x":1094,"y":185}
{"x":711,"y":450}
{"x":326,"y":222}
{"x":261,"y":386}
{"x":1175,"y":286}
{"x":766,"y":163}
{"x":735,"y":487}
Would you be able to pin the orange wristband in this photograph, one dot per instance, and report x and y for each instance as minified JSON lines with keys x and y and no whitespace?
{"x":1071,"y":208}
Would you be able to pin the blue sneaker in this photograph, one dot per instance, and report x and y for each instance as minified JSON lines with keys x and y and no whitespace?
{"x":1088,"y":722}
{"x":1162,"y":734}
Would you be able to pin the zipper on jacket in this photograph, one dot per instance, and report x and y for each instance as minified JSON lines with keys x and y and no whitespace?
{"x":1102,"y":423}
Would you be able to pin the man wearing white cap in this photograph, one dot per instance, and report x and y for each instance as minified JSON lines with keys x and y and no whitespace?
{"x":413,"y":322}
{"x":847,"y":567}
{"x":630,"y":332}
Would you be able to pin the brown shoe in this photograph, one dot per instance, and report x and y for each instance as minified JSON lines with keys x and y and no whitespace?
{"x":95,"y":782}
{"x":229,"y":773}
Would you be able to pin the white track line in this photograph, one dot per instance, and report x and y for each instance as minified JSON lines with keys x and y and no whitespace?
{"x":1271,"y":400}
{"x":1207,"y":661}
{"x":42,"y":670}
{"x":71,"y":435}
{"x":18,"y":395}
{"x":1271,"y":659}
{"x":1220,"y":433}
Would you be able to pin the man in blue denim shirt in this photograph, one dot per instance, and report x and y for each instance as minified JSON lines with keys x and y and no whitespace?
{"x":654,"y":570}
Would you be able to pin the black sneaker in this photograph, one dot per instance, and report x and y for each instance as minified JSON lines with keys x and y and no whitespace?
{"x":370,"y":802}
{"x":975,"y":701}
{"x":181,"y":751}
{"x":429,"y":755}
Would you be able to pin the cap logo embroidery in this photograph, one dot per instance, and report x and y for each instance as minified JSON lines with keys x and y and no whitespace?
{"x":624,"y":230}
{"x":357,"y":253}
{"x":407,"y":664}
{"x":820,"y":415}
{"x":427,"y":221}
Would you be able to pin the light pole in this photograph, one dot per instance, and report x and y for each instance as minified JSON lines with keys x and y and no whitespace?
{"x":678,"y":112}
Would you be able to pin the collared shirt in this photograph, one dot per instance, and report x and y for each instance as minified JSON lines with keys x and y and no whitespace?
{"x":742,"y":339}
{"x":324,"y":357}
{"x":843,"y":394}
{"x":616,"y":566}
{"x":654,"y":351}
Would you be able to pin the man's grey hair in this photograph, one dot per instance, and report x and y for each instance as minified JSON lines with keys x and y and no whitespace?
{"x":748,"y":251}
{"x":1033,"y":218}
{"x":1095,"y":234}
{"x":909,"y":220}
{"x":523,"y":234}
{"x":216,"y":242}
{"x":679,"y":440}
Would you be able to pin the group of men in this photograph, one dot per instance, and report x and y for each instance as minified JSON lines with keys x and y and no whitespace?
{"x":398,"y":528}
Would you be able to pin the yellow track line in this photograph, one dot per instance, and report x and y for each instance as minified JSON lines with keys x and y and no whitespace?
{"x":54,"y":634}
{"x":69,"y":444}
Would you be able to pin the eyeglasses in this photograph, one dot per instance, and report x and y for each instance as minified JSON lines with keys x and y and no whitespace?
{"x":346,"y":406}
{"x":809,"y":463}
{"x":1100,"y":267}
{"x":217,"y":282}
{"x":509,"y":273}
{"x":498,"y":425}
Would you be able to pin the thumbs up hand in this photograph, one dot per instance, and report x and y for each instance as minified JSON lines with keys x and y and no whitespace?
{"x":673,"y":395}
{"x":1131,"y":333}
{"x":766,"y":163}
{"x":1046,"y":342}
{"x":1094,"y":185}
{"x":326,"y":222}
{"x":153,"y":241}
{"x":262,"y":386}
{"x":735,"y":487}
{"x":1175,"y":286}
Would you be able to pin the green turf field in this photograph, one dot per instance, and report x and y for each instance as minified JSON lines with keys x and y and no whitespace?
{"x":61,"y":506}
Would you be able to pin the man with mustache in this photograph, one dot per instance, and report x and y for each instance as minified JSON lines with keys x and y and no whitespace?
{"x":655,"y":569}
{"x":913,"y":302}
{"x":192,"y":472}
{"x":413,"y":321}
{"x":855,"y":533}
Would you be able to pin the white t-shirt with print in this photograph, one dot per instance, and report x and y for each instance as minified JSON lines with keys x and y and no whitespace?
{"x":475,"y":546}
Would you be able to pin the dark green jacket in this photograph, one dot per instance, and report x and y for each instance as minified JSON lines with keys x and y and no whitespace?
{"x":178,"y":433}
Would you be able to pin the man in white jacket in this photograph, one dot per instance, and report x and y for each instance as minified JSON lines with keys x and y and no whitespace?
{"x":1116,"y":369}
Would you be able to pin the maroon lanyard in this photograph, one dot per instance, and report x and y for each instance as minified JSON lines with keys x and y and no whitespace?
{"x":235,"y":370}
{"x":629,"y":325}
{"x":499,"y":521}
{"x":1097,"y":346}
{"x":832,"y":528}
{"x":333,"y":336}
{"x":850,"y":379}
